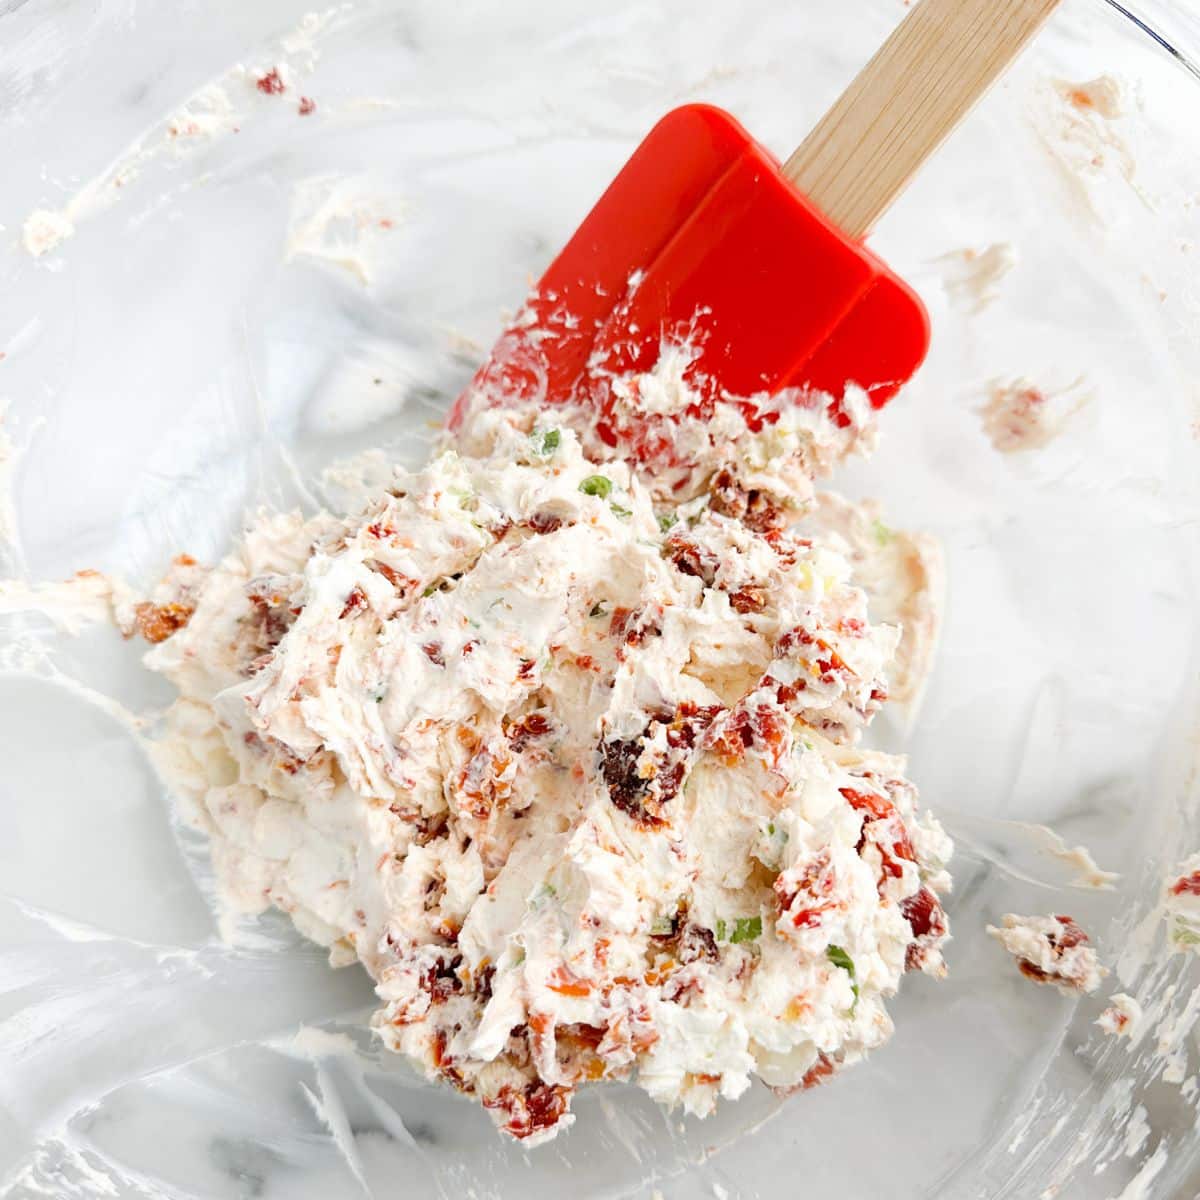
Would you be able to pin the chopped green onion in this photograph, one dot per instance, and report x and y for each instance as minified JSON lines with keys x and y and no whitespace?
{"x":840,"y":958}
{"x":746,"y":929}
{"x":883,"y":534}
{"x":550,"y":441}
{"x":433,"y":587}
{"x":621,"y":512}
{"x":720,"y":930}
{"x":667,"y":521}
{"x":596,"y":485}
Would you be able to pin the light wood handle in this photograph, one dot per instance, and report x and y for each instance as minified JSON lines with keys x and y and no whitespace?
{"x":939,"y":61}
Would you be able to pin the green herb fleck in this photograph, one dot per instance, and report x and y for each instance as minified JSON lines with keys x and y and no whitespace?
{"x":840,"y":958}
{"x":550,"y":441}
{"x":1184,"y":937}
{"x":720,"y":930}
{"x":596,"y":485}
{"x":883,"y":534}
{"x":624,"y":513}
{"x":598,"y":609}
{"x":542,"y":893}
{"x":771,"y":829}
{"x":667,"y":521}
{"x":746,"y":929}
{"x":433,"y":587}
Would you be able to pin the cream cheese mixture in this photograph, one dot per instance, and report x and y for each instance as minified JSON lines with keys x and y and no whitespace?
{"x":572,"y":769}
{"x":1052,"y":950}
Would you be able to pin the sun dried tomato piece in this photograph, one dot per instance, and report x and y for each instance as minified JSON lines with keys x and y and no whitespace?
{"x":644,"y":797}
{"x":696,"y":944}
{"x":484,"y":783}
{"x":877,"y":807}
{"x":756,"y":509}
{"x":441,"y":980}
{"x":689,"y":559}
{"x":429,"y":829}
{"x":565,"y":982}
{"x":1187,"y":884}
{"x":924,"y":913}
{"x":821,"y":1070}
{"x":357,"y":599}
{"x":762,"y":727}
{"x":539,"y":1106}
{"x":1069,"y":934}
{"x":690,"y":722}
{"x":626,"y":788}
{"x":545,"y":1105}
{"x":271,"y":84}
{"x":156,"y":622}
{"x":748,"y":599}
{"x":806,"y":891}
{"x":535,"y":725}
{"x":484,"y":978}
{"x":544,"y":522}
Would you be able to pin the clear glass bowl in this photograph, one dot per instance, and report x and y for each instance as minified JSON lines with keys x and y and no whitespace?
{"x":251,"y":293}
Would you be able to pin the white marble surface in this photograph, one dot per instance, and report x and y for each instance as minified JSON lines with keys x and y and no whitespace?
{"x":206,"y":340}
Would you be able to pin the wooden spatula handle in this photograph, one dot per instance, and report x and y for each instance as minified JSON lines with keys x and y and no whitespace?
{"x":941,"y":58}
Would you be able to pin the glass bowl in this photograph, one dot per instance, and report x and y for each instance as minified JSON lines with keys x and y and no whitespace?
{"x":210,"y":292}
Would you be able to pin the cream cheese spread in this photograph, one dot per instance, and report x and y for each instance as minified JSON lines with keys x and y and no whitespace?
{"x":573,"y":771}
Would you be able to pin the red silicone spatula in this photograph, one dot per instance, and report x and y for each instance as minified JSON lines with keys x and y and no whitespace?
{"x":704,"y":237}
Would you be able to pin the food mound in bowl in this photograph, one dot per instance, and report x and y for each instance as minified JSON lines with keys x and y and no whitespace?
{"x":573,"y":772}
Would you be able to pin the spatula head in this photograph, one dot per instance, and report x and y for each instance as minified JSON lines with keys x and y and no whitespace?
{"x":701,"y":240}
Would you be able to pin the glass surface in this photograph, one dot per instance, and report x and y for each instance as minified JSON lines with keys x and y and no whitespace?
{"x":251,"y":293}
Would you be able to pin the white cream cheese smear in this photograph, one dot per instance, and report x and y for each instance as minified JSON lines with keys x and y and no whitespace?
{"x":576,"y":778}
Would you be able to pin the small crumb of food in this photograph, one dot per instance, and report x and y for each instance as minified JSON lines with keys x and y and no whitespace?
{"x":44,"y":230}
{"x":1121,"y":1017}
{"x":1051,"y":950}
{"x":1019,"y":416}
{"x":1181,"y":900}
{"x":1103,"y":96}
{"x":307,"y":105}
